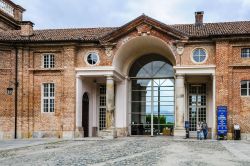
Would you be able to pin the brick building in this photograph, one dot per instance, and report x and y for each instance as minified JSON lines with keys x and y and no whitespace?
{"x":143,"y":78}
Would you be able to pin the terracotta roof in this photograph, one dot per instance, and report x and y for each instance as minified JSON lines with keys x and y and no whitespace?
{"x":82,"y":34}
{"x":215,"y":29}
{"x":94,"y":34}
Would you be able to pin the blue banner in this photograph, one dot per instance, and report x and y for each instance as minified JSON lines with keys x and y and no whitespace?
{"x":222,"y":120}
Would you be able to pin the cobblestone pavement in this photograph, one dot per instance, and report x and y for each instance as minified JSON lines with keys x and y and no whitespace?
{"x":128,"y":151}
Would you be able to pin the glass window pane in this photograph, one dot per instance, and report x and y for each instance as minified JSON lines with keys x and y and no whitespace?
{"x":245,"y":53}
{"x":243,"y":84}
{"x":163,"y":93}
{"x":164,"y":119}
{"x":141,"y":107}
{"x":196,"y":59}
{"x":243,"y":92}
{"x":196,"y":52}
{"x":151,"y":66}
{"x":199,"y":55}
{"x":164,"y":109}
{"x":46,"y":90}
{"x":92,"y":58}
{"x":140,"y":95}
{"x":45,"y":105}
{"x":52,"y":103}
{"x":140,"y":119}
{"x":140,"y":129}
{"x":165,"y":103}
{"x":141,"y":84}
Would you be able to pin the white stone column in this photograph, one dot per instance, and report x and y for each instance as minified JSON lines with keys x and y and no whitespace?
{"x":110,"y":104}
{"x":79,"y":129}
{"x":214,"y":108}
{"x":180,"y":106}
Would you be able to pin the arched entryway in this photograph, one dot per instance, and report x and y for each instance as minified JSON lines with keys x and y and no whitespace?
{"x":85,"y":114}
{"x":152,"y":95}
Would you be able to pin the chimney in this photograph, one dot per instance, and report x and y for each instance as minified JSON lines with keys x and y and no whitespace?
{"x":26,"y":28}
{"x":18,"y":13}
{"x":199,"y":18}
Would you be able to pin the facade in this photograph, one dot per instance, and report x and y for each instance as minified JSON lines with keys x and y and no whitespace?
{"x":143,"y":78}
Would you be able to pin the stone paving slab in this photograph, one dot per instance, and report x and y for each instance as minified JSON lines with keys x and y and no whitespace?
{"x":126,"y":151}
{"x":19,"y":143}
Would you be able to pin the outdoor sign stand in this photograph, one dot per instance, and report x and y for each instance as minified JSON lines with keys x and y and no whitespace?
{"x":222,"y":122}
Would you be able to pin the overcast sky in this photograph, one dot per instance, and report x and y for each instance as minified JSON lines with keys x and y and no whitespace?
{"x":99,"y":13}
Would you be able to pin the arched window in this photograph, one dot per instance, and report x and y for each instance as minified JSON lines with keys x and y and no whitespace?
{"x":152,"y":96}
{"x":151,"y":66}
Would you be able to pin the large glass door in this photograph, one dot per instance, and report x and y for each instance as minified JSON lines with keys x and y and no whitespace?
{"x":152,"y":95}
{"x":152,"y":106}
{"x":197,"y":105}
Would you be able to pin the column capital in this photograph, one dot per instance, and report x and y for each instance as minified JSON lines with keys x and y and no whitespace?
{"x":179,"y":76}
{"x":109,"y":77}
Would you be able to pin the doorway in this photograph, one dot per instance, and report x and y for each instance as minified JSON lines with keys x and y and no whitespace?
{"x":85,"y":114}
{"x":197,"y":103}
{"x":152,"y":96}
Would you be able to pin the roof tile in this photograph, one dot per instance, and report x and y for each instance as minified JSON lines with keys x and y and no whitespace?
{"x":94,"y":34}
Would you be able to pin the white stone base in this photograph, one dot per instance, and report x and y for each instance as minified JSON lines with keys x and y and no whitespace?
{"x":179,"y":132}
{"x":6,"y":135}
{"x":245,"y":136}
{"x":79,"y":133}
{"x":68,"y":134}
{"x":108,"y":134}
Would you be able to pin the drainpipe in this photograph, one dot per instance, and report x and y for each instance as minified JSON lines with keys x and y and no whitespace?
{"x":16,"y":89}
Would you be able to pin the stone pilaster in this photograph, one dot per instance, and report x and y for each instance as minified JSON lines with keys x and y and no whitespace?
{"x":180,"y":106}
{"x":214,"y":108}
{"x":110,"y":103}
{"x":79,"y":129}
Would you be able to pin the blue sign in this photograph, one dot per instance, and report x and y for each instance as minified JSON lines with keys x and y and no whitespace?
{"x":222,"y":120}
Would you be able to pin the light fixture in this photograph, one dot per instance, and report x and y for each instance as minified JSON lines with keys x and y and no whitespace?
{"x":10,"y":91}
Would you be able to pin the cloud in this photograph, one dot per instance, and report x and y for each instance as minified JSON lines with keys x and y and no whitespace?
{"x":96,"y":13}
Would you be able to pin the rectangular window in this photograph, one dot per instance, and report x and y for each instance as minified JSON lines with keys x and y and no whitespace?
{"x":48,"y":98}
{"x":245,"y":53}
{"x":245,"y":88}
{"x":48,"y":61}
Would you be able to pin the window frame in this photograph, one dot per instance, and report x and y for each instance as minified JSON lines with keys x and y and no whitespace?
{"x":247,"y":52}
{"x":49,"y":98}
{"x":88,"y":54}
{"x":51,"y":61}
{"x":192,"y":55}
{"x":247,"y":88}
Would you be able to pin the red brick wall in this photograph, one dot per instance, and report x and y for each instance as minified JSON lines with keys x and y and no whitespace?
{"x":31,"y":75}
{"x":6,"y":106}
{"x":186,"y":58}
{"x":228,"y":78}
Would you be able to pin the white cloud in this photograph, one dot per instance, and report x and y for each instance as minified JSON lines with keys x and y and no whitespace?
{"x":86,"y":13}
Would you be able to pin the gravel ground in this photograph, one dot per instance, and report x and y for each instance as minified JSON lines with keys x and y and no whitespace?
{"x":128,"y":151}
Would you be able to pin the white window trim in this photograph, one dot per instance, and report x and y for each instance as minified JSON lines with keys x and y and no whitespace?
{"x":248,"y":87}
{"x":192,"y":58}
{"x":43,"y":65}
{"x":42,"y":98}
{"x":93,"y":52}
